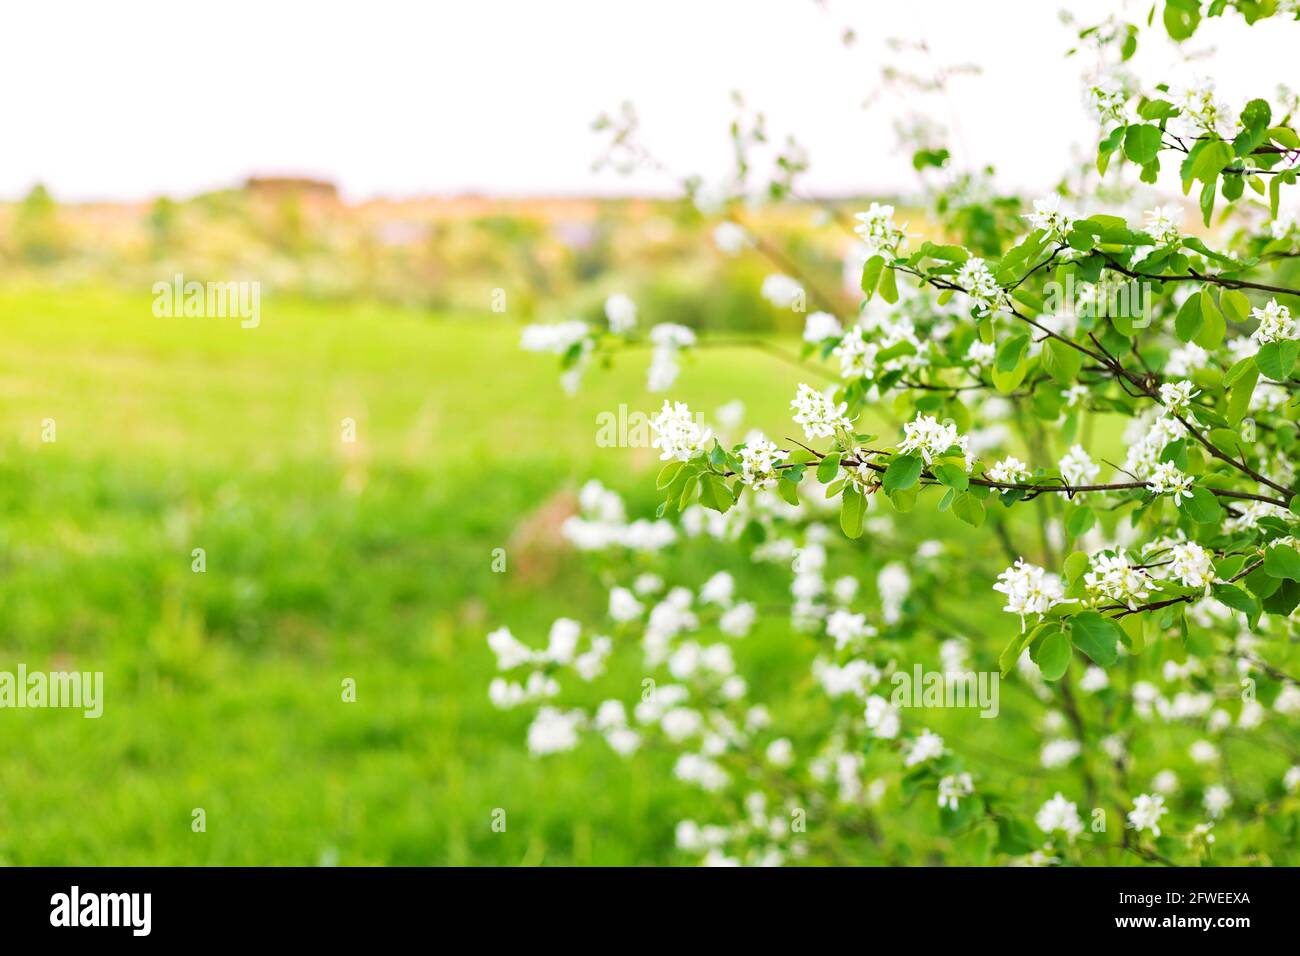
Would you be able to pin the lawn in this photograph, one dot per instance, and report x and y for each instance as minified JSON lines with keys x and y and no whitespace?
{"x":324,"y":560}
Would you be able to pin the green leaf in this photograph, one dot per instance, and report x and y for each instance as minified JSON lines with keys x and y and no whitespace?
{"x":1235,"y":305}
{"x":1011,"y":653}
{"x":1051,"y":652}
{"x":1277,"y":359}
{"x":1202,"y":507}
{"x":902,"y":473}
{"x":1096,"y":636}
{"x":852,"y":507}
{"x":1181,"y":19}
{"x":903,"y":501}
{"x":954,"y":476}
{"x":1076,"y":565}
{"x":1189,"y":320}
{"x":969,"y":509}
{"x":1282,"y":561}
{"x":714,"y":493}
{"x":1207,"y":201}
{"x":888,"y":287}
{"x":1133,"y":632}
{"x":1142,"y":143}
{"x":1081,"y":519}
{"x":1211,"y":160}
{"x":1009,"y":352}
{"x":1239,"y":396}
{"x":871,"y":274}
{"x":667,"y":473}
{"x":1062,"y":362}
{"x":828,"y":468}
{"x":789,"y":490}
{"x":1284,"y":600}
{"x":1235,"y":598}
{"x":1213,"y":327}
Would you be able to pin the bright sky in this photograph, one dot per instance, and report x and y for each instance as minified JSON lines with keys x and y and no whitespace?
{"x":128,"y":100}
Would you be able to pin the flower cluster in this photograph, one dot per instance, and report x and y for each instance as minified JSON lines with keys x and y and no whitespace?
{"x":759,"y":459}
{"x":669,"y":339}
{"x":1047,"y":216}
{"x":878,"y":232}
{"x":1176,"y":397}
{"x":857,"y":356}
{"x":678,"y":435}
{"x":1029,"y":589}
{"x":1161,"y":224}
{"x":979,"y":283}
{"x":1275,"y":323}
{"x":1009,"y":470}
{"x":1115,"y":577}
{"x":819,"y":415}
{"x":620,"y":311}
{"x":932,"y":439}
{"x":821,"y":326}
{"x":1166,"y":479}
{"x":1077,"y":467}
{"x":1200,"y":112}
{"x":1191,"y":565}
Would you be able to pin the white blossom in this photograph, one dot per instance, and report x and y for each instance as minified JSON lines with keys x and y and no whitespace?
{"x":1094,"y":679}
{"x":1191,"y":565}
{"x":759,"y":459}
{"x":1146,"y":813}
{"x":1165,"y":782}
{"x":780,"y":753}
{"x":1010,"y":470}
{"x":1059,"y":815}
{"x":953,"y":787}
{"x":554,"y":730}
{"x":782,"y":291}
{"x":1116,"y":577}
{"x":1077,"y":468}
{"x":557,"y":337}
{"x":623,"y":605}
{"x":737,"y":621}
{"x":1059,"y":752}
{"x":857,"y":356}
{"x":1166,"y":479}
{"x":879,"y":234}
{"x":925,"y":746}
{"x":1217,"y":799}
{"x":847,"y":628}
{"x":1047,"y":216}
{"x":1275,"y":323}
{"x":730,"y":237}
{"x":1177,"y":396}
{"x":820,"y":326}
{"x":978,"y":282}
{"x":621,"y":313}
{"x":1161,"y":224}
{"x":1029,"y":589}
{"x":932,"y":439}
{"x":677,"y":434}
{"x":882,"y":717}
{"x":817,"y":413}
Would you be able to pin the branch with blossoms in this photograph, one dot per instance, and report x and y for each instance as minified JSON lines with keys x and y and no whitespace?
{"x":1018,"y":346}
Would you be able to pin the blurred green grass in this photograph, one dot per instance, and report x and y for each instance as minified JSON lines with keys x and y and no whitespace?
{"x":324,"y":560}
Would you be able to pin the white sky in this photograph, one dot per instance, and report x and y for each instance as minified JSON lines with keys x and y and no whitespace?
{"x":127,"y":100}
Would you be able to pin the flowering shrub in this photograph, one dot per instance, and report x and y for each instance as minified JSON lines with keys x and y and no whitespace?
{"x":1148,"y":603}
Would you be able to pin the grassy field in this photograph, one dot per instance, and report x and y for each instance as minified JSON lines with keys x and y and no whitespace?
{"x":325,"y":560}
